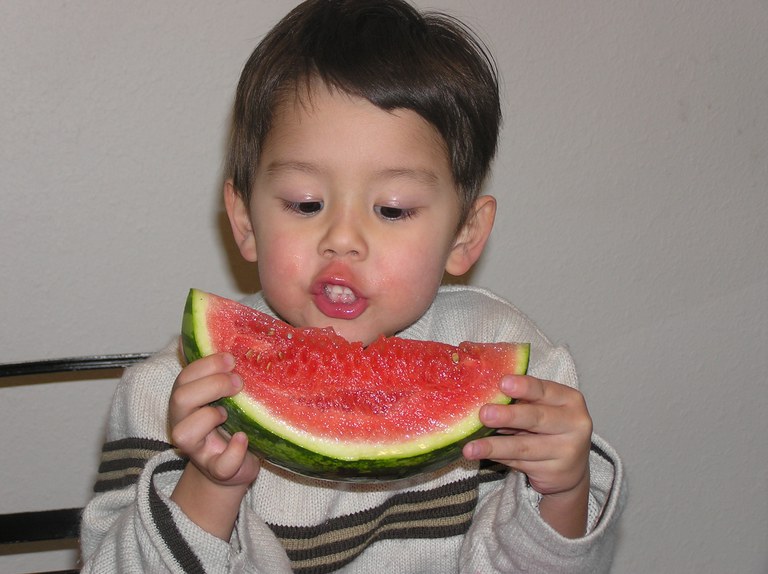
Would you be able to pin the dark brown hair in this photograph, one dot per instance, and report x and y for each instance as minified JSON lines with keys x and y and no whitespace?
{"x":388,"y":53}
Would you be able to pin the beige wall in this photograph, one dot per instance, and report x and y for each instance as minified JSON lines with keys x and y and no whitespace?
{"x":633,"y":188}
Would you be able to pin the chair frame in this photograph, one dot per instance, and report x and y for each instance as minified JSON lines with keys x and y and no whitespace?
{"x":20,"y":529}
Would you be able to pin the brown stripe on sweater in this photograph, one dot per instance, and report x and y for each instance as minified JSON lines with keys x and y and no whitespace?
{"x":323,"y":564}
{"x":431,"y":513}
{"x":123,"y":460}
{"x":490,"y":471}
{"x":436,"y":513}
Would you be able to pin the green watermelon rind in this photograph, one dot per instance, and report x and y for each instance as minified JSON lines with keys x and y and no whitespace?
{"x":195,"y":341}
{"x":251,"y":410}
{"x":301,"y":453}
{"x":307,"y":462}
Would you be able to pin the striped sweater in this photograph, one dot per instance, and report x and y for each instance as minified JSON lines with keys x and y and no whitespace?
{"x":464,"y":518}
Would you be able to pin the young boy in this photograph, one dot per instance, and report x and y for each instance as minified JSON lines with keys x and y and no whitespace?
{"x":363,"y":131}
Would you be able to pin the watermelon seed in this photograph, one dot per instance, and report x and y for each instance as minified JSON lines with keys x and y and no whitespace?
{"x":249,"y":354}
{"x":455,"y":357}
{"x":289,"y":335}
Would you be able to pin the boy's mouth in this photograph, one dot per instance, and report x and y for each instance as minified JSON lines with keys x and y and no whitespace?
{"x":338,"y":301}
{"x":339,"y":294}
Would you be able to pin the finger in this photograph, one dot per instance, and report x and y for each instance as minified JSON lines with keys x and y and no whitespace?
{"x":197,"y":431}
{"x":530,"y":417}
{"x":230,"y":461}
{"x":523,"y":387}
{"x":532,"y":390}
{"x":200,"y":392}
{"x":511,"y":450}
{"x":205,"y":367}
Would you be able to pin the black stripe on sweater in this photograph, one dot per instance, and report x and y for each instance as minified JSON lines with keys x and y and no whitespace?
{"x":166,"y":527}
{"x":437,"y":513}
{"x":123,"y":460}
{"x":602,"y":454}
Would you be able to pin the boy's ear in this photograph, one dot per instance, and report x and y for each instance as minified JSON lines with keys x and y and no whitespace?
{"x":472,"y":238}
{"x":240,"y":220}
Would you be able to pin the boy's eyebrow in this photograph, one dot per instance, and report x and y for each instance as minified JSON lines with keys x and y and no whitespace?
{"x":421,"y":175}
{"x":277,"y":167}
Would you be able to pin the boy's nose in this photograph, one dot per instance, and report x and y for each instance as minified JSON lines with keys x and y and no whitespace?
{"x":344,"y":237}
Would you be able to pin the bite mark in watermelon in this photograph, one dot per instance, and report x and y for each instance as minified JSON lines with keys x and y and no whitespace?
{"x":321,"y":406}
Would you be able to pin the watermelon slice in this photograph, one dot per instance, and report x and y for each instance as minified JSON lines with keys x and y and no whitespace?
{"x":320,"y":406}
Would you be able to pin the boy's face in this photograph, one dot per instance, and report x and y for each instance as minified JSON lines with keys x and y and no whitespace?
{"x":352,"y":218}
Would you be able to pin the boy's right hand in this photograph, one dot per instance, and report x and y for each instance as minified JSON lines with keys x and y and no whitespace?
{"x":194,"y":422}
{"x":220,"y":469}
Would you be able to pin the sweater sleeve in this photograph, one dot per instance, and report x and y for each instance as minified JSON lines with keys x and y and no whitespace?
{"x":131,"y":525}
{"x":507,"y":533}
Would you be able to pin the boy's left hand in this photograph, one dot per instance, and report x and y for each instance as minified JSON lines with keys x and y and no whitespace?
{"x":545,"y":434}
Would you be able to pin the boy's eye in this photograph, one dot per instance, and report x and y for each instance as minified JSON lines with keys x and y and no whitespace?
{"x":304,"y":207}
{"x":393,"y":213}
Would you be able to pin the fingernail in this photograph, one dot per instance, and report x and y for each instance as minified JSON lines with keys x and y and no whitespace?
{"x":508,"y":385}
{"x":489,"y":413}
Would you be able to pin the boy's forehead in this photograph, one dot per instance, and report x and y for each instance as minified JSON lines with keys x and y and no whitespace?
{"x":329,"y":133}
{"x":305,"y":98}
